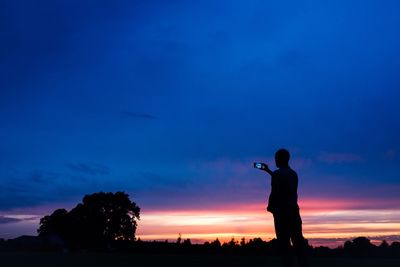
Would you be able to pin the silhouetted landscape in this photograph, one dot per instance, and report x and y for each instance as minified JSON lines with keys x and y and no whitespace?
{"x":40,"y":251}
{"x":101,"y":231}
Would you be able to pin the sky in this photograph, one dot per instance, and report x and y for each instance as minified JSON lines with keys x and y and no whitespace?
{"x":173,"y":101}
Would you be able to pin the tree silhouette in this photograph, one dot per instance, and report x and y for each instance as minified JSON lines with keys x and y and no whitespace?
{"x":360,"y":246}
{"x":99,"y":219}
{"x":54,"y":224}
{"x":179,"y":239}
{"x":216,"y":243}
{"x":384,"y":244}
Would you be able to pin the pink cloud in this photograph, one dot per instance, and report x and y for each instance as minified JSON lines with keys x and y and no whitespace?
{"x":329,"y":204}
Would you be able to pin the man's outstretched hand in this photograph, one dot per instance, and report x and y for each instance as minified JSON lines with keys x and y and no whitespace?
{"x":263,"y":167}
{"x":266,"y":168}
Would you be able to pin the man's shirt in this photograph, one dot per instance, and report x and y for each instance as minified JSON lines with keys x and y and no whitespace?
{"x":283,"y":197}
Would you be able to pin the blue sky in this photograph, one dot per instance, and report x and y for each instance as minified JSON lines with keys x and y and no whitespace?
{"x":170,"y":100}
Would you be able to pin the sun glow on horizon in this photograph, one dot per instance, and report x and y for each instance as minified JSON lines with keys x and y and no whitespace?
{"x":324,"y":223}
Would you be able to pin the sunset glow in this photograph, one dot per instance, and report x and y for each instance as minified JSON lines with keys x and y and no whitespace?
{"x":325,"y":222}
{"x":322,"y":226}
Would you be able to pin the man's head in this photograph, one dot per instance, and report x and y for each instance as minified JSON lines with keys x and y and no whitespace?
{"x":282,"y":157}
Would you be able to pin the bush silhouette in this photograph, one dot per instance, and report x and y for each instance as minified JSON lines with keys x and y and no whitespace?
{"x":360,"y":246}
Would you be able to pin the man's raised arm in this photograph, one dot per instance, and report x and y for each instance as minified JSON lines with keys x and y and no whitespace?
{"x":267,"y":169}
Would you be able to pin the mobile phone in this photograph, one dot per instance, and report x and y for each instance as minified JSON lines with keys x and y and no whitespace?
{"x":259,"y":165}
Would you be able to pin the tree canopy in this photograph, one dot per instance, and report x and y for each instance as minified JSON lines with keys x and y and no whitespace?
{"x":100,"y":218}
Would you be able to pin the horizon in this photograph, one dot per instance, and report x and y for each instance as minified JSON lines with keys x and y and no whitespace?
{"x":224,"y":223}
{"x":172,"y":102}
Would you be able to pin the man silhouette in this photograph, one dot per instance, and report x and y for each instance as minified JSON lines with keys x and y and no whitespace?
{"x":282,"y":203}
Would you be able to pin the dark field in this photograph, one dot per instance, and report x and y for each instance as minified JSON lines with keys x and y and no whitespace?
{"x":47,"y":259}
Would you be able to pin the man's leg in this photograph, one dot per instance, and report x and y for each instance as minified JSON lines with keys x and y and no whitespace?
{"x":300,"y":244}
{"x":283,"y":236}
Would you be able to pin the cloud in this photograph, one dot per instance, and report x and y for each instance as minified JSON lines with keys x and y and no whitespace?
{"x":363,"y":203}
{"x":339,"y":158}
{"x":4,"y":220}
{"x":135,"y":115}
{"x":41,"y":177}
{"x":17,"y":218}
{"x":21,"y":189}
{"x":29,"y":189}
{"x":91,"y":169}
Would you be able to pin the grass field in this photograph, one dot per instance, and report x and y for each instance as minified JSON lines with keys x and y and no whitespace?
{"x":47,"y":259}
